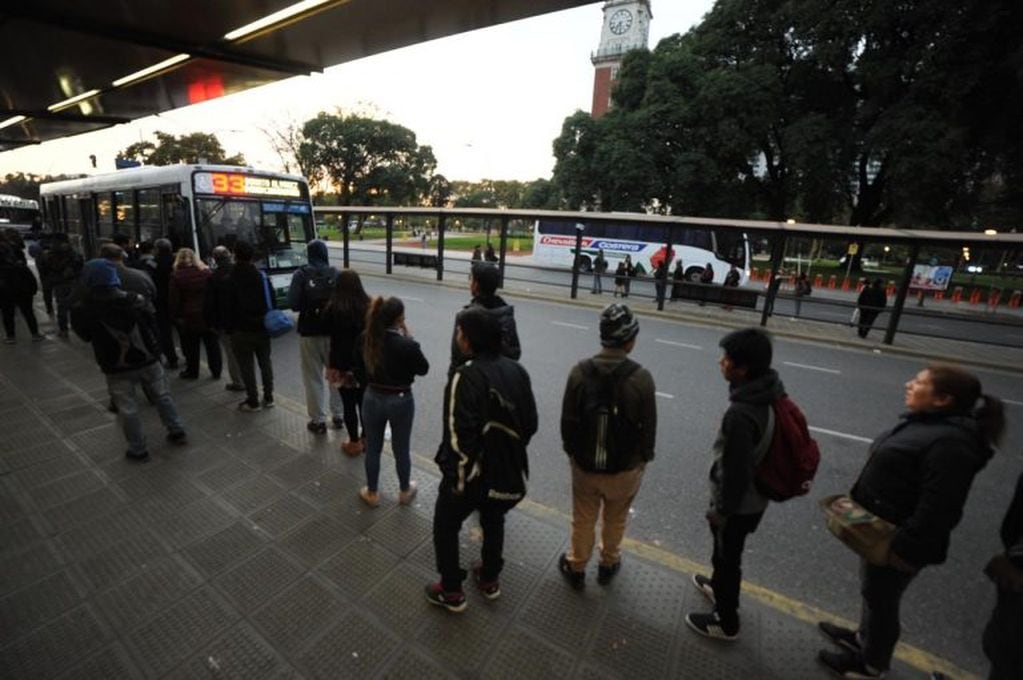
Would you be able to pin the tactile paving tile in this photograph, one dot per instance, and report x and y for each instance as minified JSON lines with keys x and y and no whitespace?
{"x":196,"y":457}
{"x":298,"y":614}
{"x":296,"y":472}
{"x":317,"y":539}
{"x":291,"y":431}
{"x":47,"y":471}
{"x":10,"y":509}
{"x":196,"y":521}
{"x":401,"y":531}
{"x":18,"y":534}
{"x":655,"y":591}
{"x":359,"y":566}
{"x":229,"y":472}
{"x":698,"y":657}
{"x":409,"y":665}
{"x":16,"y":415}
{"x":531,"y":542}
{"x":353,"y":648}
{"x":28,"y":438}
{"x":329,"y":488}
{"x":214,"y":554}
{"x":350,"y":510}
{"x":630,"y":644}
{"x":459,"y":642}
{"x":267,"y":454}
{"x":149,"y":591}
{"x":112,"y":662}
{"x":174,"y":635}
{"x":101,"y":444}
{"x":560,"y":614}
{"x":253,"y":494}
{"x":92,"y":538}
{"x":240,"y":653}
{"x":121,"y":560}
{"x":787,"y":645}
{"x":282,"y":515}
{"x":30,"y":607}
{"x":254,"y":582}
{"x":399,"y":602}
{"x":16,"y":459}
{"x":18,"y":569}
{"x":65,"y":489}
{"x":83,"y":509}
{"x":519,"y":655}
{"x":54,"y":647}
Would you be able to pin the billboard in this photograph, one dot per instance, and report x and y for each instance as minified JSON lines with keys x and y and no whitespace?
{"x":926,"y":277}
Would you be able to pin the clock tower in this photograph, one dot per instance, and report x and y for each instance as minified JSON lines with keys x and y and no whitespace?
{"x":626,"y":27}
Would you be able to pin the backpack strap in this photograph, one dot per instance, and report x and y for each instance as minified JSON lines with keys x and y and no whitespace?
{"x":765,"y":440}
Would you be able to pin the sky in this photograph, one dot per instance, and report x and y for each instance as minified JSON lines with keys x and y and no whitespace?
{"x":489,"y":102}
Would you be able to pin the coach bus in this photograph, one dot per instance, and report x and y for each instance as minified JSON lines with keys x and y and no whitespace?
{"x":695,"y":246}
{"x":21,"y":213}
{"x":194,"y":206}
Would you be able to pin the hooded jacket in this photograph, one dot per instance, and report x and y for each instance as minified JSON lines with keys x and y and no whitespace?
{"x":302,"y":297}
{"x":218,"y":298}
{"x":918,"y":476}
{"x":1012,"y":527}
{"x":245,"y":294}
{"x":743,"y":427}
{"x":121,"y":327}
{"x":505,"y":313}
{"x":186,"y":297}
{"x":17,"y":282}
{"x":60,"y":265}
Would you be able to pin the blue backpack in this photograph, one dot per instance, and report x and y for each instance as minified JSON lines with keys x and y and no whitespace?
{"x":276,"y":322}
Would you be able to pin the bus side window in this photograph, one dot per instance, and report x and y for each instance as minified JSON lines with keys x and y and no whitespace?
{"x":150,"y":227}
{"x":175,"y":219}
{"x":104,"y":217}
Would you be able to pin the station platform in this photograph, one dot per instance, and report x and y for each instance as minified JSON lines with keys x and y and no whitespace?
{"x":247,"y":554}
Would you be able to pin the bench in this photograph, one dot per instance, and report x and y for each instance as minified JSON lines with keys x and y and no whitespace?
{"x":423,"y":260}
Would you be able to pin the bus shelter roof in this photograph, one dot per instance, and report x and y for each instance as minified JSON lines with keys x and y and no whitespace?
{"x":73,"y":67}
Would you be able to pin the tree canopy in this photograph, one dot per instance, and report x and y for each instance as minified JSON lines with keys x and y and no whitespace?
{"x":195,"y":147}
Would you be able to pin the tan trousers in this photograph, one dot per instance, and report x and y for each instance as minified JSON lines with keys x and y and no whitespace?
{"x":589,"y":491}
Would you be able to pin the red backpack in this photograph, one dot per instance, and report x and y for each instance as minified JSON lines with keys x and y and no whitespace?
{"x":790,"y":463}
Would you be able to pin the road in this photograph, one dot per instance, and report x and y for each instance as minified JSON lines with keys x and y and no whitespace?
{"x":849,"y":397}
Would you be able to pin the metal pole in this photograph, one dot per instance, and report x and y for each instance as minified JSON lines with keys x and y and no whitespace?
{"x":440,"y":247}
{"x":901,"y":293}
{"x":575,"y":261}
{"x":389,"y":236}
{"x":504,"y":250}
{"x":344,"y":239}
{"x":777,"y":254}
{"x":662,"y":286}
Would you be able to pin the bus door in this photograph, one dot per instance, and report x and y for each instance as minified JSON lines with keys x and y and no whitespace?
{"x":177,"y":220}
{"x":87,"y":210}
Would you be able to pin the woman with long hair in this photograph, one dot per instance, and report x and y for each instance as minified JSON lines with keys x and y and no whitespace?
{"x":387,"y":360}
{"x":345,"y":315}
{"x":917,"y":478}
{"x":186,"y":302}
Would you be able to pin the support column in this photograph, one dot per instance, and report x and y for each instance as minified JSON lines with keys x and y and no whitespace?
{"x":344,"y":239}
{"x":777,"y":255}
{"x":575,"y":260}
{"x":389,"y":236}
{"x":440,"y":247}
{"x":503,"y":251}
{"x":901,"y":293}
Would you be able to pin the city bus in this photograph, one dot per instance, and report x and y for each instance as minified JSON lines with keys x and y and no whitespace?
{"x":21,"y":213}
{"x":695,"y":246}
{"x":194,"y":206}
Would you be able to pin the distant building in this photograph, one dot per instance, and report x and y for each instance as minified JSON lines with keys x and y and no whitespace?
{"x":626,"y":27}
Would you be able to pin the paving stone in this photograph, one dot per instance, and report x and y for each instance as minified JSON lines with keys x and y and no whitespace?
{"x":112,"y":662}
{"x":267,"y":454}
{"x":214,"y":554}
{"x":16,"y":415}
{"x":329,"y":489}
{"x":66,"y":489}
{"x":298,"y":471}
{"x":359,"y":566}
{"x":54,"y":647}
{"x":317,"y":539}
{"x":196,"y":521}
{"x":30,"y":607}
{"x":298,"y":614}
{"x":560,"y":614}
{"x":401,"y":531}
{"x":101,"y":444}
{"x":350,"y":510}
{"x":632,"y":645}
{"x":228,"y":473}
{"x":18,"y":569}
{"x":698,"y":657}
{"x":16,"y":459}
{"x":152,"y":589}
{"x":173,"y":636}
{"x":28,"y":438}
{"x":122,"y":559}
{"x":411,"y":665}
{"x":353,"y":648}
{"x":460,"y":643}
{"x":10,"y":509}
{"x":532,"y":542}
{"x":240,"y":653}
{"x":158,"y":488}
{"x":787,"y":644}
{"x":653,"y":590}
{"x":291,"y":431}
{"x":283,"y":515}
{"x":519,"y":655}
{"x":196,"y":457}
{"x":88,"y":540}
{"x":398,"y":600}
{"x":18,"y":534}
{"x":257,"y":580}
{"x":46,"y":471}
{"x":83,"y":509}
{"x":254,"y":493}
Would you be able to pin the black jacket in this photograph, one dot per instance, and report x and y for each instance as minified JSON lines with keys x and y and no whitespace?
{"x":1012,"y":527}
{"x":345,"y":328}
{"x":59,"y":265}
{"x":246,"y":298}
{"x":17,"y":282}
{"x":918,"y":476}
{"x":505,"y":314}
{"x":400,"y":362}
{"x":161,"y":273}
{"x":465,"y":414}
{"x":219,"y":297}
{"x":872,"y":298}
{"x":121,"y":327}
{"x":742,"y":430}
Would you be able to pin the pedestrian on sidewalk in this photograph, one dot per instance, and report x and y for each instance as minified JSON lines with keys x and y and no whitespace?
{"x":477,"y":254}
{"x":39,"y":250}
{"x":216,"y":304}
{"x":161,"y":272}
{"x":678,"y":277}
{"x":630,"y":273}
{"x":661,"y":279}
{"x":870,"y":303}
{"x":18,"y":286}
{"x":621,"y":278}
{"x":387,"y":361}
{"x":60,"y":268}
{"x":186,"y":298}
{"x":246,"y":297}
{"x":489,"y":418}
{"x":483,"y":281}
{"x":346,"y":319}
{"x":311,"y":288}
{"x":608,"y":431}
{"x":132,"y":280}
{"x":736,"y":506}
{"x":803,"y":289}
{"x":599,"y":267}
{"x":707,"y":279}
{"x":917,"y":477}
{"x":731,"y":281}
{"x":1001,"y":636}
{"x":122,"y":329}
{"x":489,"y":255}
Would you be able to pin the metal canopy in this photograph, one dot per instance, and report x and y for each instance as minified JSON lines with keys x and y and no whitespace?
{"x":72,"y":67}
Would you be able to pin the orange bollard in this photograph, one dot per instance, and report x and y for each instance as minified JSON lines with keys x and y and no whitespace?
{"x":860,"y":285}
{"x":994,"y":297}
{"x":1015,"y":299}
{"x":975,"y":296}
{"x":939,"y":295}
{"x":957,"y":294}
{"x":832,"y":280}
{"x":890,"y":290}
{"x":818,"y":281}
{"x":845,"y":285}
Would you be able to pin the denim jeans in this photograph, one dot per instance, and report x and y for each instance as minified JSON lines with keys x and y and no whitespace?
{"x":153,"y":381}
{"x":314,"y":354}
{"x":379,"y":409}
{"x":251,"y":347}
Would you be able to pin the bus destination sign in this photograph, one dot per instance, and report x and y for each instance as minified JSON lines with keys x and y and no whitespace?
{"x":238,"y":184}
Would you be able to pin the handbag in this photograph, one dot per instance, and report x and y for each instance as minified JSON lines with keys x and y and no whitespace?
{"x":855,"y":318}
{"x":863,"y":532}
{"x":275,"y":321}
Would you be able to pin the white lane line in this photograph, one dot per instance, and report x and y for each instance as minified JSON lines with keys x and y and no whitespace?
{"x":409,"y":297}
{"x":665,"y":395}
{"x":570,"y":325}
{"x":813,"y":368}
{"x":843,"y":435}
{"x":1013,"y":402}
{"x":677,"y":344}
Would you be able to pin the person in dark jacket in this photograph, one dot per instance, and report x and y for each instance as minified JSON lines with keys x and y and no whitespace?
{"x":186,"y":302}
{"x":678,"y":277}
{"x":310,"y":291}
{"x":132,"y":280}
{"x":917,"y":477}
{"x":736,"y":506}
{"x":871,"y":303}
{"x":161,"y":272}
{"x":630,"y":273}
{"x":346,"y":319}
{"x":1001,"y":635}
{"x":621,"y":278}
{"x":216,"y":303}
{"x":661,"y":279}
{"x":479,"y":387}
{"x":60,"y":267}
{"x":483,"y":282}
{"x":122,"y":330}
{"x":599,"y":268}
{"x":246,"y":293}
{"x":38,"y":250}
{"x":607,"y":494}
{"x":17,"y":288}
{"x":387,"y":361}
{"x":489,"y":255}
{"x":707,"y":279}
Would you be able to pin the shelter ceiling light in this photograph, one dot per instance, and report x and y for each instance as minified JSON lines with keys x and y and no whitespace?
{"x":275,"y":18}
{"x":13,"y":120}
{"x":151,"y":70}
{"x":72,"y":101}
{"x":991,"y":232}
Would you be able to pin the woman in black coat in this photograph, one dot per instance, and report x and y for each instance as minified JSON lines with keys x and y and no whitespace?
{"x":917,"y":477}
{"x":346,"y":318}
{"x":17,"y":288}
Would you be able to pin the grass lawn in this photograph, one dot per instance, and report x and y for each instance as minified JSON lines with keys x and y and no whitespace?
{"x":452,"y":240}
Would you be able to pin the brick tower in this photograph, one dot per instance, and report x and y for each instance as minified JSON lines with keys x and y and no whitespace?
{"x":626,"y":27}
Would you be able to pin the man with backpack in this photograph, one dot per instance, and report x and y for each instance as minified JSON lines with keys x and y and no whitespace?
{"x":483,"y":280}
{"x":59,"y":267}
{"x":489,"y":418}
{"x":608,"y":430}
{"x":311,"y":288}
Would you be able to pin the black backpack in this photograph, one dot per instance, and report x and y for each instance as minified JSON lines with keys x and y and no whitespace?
{"x":316,"y":291}
{"x":607,"y":439}
{"x":504,"y":461}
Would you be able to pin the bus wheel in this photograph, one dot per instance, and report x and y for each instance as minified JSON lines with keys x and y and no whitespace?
{"x":693,"y":274}
{"x":585,"y":265}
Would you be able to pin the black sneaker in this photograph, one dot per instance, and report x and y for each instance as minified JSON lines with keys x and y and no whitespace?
{"x":846,"y":664}
{"x":179,"y":437}
{"x":338,"y":422}
{"x":709,"y":625}
{"x":453,"y":601}
{"x":137,"y":457}
{"x":268,"y":402}
{"x":234,"y":387}
{"x":702,"y":583}
{"x":843,"y":637}
{"x":187,"y":375}
{"x":490,"y":589}
{"x":607,"y":572}
{"x":316,"y":428}
{"x":576,"y":579}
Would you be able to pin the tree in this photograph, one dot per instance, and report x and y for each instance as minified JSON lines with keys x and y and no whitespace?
{"x":26,"y":185}
{"x":371,"y":162}
{"x":196,"y":147}
{"x":439,"y":192}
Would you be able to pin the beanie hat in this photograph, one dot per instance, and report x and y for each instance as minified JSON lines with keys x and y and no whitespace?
{"x":617,"y":325}
{"x":101,"y":273}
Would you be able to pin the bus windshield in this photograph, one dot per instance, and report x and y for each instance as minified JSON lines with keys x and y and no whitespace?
{"x":278,"y":229}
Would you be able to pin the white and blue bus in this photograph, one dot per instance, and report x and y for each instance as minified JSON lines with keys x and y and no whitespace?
{"x":20,"y":213}
{"x":694,"y":245}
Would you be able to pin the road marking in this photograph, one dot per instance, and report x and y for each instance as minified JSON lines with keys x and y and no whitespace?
{"x":677,"y":344}
{"x":813,"y":368}
{"x":843,"y":435}
{"x":1013,"y":402}
{"x":570,"y":325}
{"x":665,"y":395}
{"x":409,"y":297}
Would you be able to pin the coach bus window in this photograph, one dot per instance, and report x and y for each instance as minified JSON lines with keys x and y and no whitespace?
{"x":150,"y":227}
{"x":53,"y":216}
{"x":104,"y":217}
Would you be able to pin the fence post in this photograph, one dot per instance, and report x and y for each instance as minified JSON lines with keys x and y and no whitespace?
{"x":900,"y":295}
{"x":777,"y":254}
{"x":344,"y":239}
{"x":504,"y":250}
{"x":575,"y":260}
{"x":389,"y":236}
{"x":440,"y":247}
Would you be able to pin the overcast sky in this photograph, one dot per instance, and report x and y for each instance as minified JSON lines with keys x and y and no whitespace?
{"x":489,"y":102}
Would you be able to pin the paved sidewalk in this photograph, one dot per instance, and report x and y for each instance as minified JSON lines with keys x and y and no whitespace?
{"x":247,"y":554}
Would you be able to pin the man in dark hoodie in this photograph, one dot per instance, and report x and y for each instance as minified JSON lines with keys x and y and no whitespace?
{"x":122,"y":330}
{"x":247,"y":288}
{"x":736,"y":506}
{"x":483,"y":282}
{"x":215,"y":307}
{"x":871,"y":303}
{"x":311,"y":288}
{"x":164,"y":260}
{"x":60,"y":267}
{"x":1001,"y":636}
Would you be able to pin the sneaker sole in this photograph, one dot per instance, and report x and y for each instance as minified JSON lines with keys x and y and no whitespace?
{"x":853,"y":675}
{"x":699,"y":631}
{"x":456,"y":608}
{"x":707,"y":592}
{"x":838,"y":642}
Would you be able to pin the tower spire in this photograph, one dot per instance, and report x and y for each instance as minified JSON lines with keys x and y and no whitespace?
{"x":626,"y":27}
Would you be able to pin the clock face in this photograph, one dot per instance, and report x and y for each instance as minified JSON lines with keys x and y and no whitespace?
{"x":620,"y":21}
